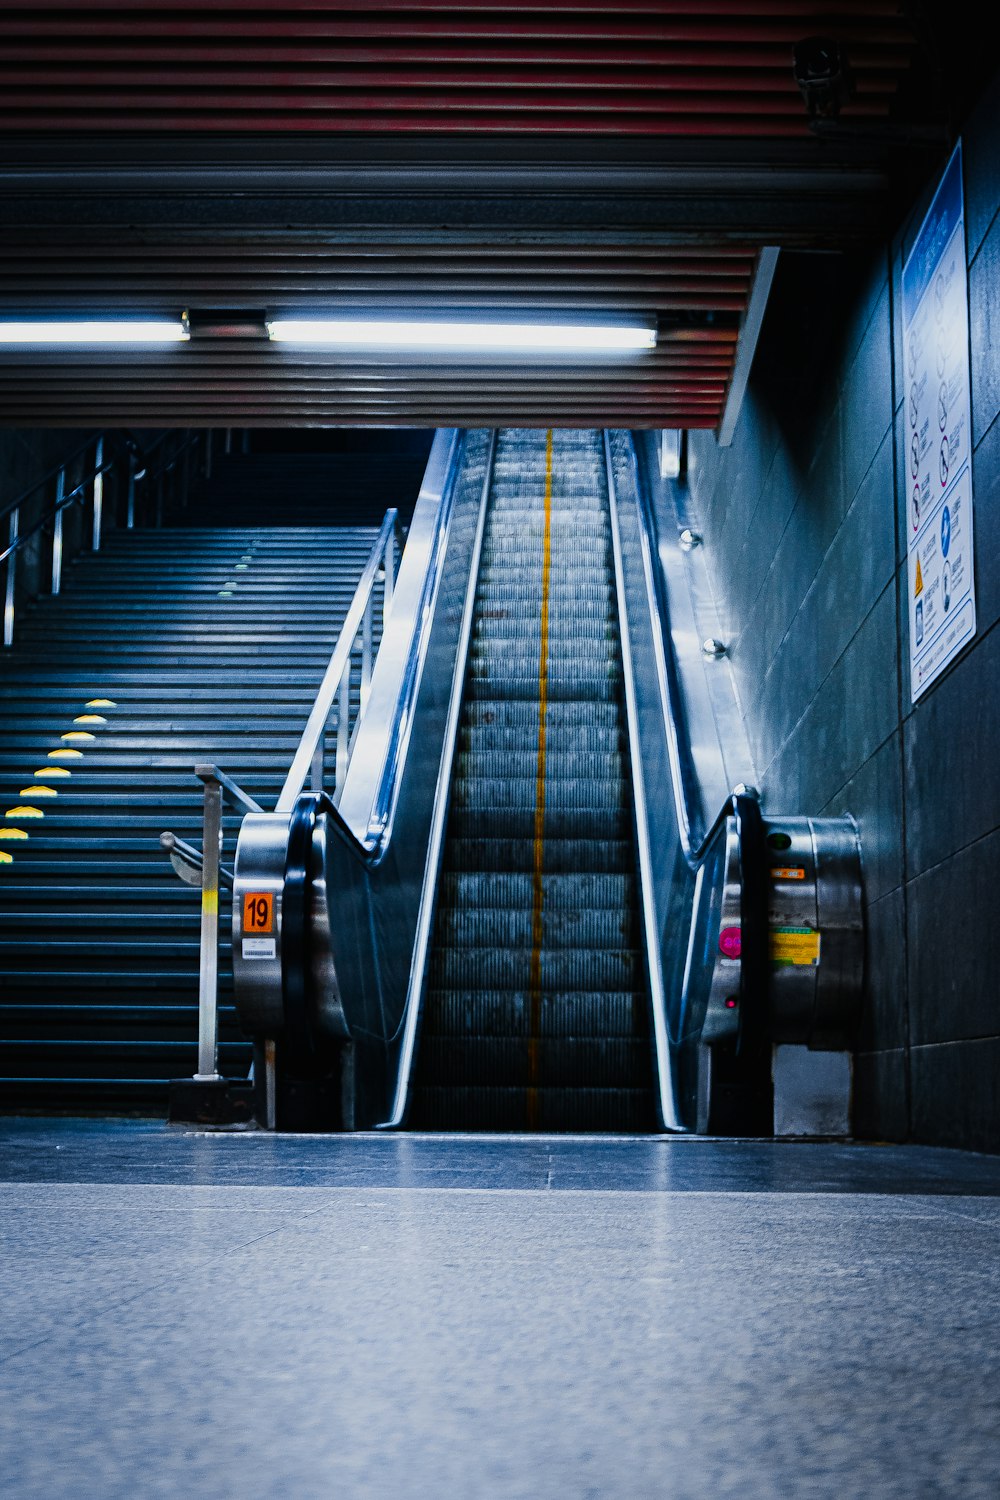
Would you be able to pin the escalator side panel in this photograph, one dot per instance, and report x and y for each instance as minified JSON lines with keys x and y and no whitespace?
{"x":372,"y":938}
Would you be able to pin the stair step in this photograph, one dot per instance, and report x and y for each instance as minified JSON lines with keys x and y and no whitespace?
{"x":100,"y":952}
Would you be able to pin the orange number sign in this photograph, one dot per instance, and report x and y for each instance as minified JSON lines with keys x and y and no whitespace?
{"x":258,"y":912}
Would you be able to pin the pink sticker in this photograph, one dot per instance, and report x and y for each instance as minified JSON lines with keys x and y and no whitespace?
{"x":731,"y":942}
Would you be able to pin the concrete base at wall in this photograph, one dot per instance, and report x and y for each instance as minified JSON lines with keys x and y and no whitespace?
{"x":812,"y":1092}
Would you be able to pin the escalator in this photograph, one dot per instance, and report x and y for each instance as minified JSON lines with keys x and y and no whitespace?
{"x":536,"y":1009}
{"x":540,"y":893}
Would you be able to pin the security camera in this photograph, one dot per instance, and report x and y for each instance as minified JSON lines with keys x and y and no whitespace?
{"x":823,"y":75}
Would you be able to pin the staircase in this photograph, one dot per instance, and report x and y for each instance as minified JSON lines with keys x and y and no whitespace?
{"x":536,"y":1014}
{"x":170,"y":647}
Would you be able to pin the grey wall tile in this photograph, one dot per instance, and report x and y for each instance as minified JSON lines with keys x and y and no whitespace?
{"x":955,"y":1099}
{"x":951,"y":758}
{"x":951,"y":911}
{"x":984,"y":332}
{"x":874,"y":798}
{"x":981,"y":151}
{"x":881,"y":1108}
{"x":865,"y":278}
{"x":867,"y":398}
{"x":855,"y":709}
{"x":986,"y":527}
{"x":884,"y":1019}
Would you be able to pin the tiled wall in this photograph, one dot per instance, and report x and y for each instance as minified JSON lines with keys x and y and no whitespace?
{"x":804,"y":519}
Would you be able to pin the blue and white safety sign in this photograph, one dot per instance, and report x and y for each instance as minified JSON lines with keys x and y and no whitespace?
{"x":942,"y":596}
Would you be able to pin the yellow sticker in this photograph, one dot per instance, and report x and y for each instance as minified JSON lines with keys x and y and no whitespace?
{"x":788,"y":872}
{"x":918,"y":586}
{"x":795,"y":945}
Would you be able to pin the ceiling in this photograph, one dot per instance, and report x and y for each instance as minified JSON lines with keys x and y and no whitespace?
{"x":238,"y":157}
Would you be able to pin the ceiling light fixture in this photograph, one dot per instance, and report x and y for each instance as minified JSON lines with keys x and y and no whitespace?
{"x":421,"y":333}
{"x":95,"y":331}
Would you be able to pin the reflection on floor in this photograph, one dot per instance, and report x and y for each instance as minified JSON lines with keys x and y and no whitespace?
{"x":253,"y":1315}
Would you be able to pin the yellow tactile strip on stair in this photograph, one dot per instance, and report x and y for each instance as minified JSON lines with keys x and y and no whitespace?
{"x":26,"y":812}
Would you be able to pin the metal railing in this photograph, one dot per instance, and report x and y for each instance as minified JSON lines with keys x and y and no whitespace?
{"x":204,"y":867}
{"x":356,"y":635}
{"x":138,"y":466}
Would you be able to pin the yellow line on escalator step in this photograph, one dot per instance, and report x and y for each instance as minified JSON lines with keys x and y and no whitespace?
{"x":535,"y":977}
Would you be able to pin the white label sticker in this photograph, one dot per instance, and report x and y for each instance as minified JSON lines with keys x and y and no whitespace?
{"x":260,"y":948}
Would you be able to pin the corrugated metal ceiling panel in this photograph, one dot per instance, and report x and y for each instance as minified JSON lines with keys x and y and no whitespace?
{"x":698,"y":298}
{"x":90,"y":81}
{"x":649,"y":67}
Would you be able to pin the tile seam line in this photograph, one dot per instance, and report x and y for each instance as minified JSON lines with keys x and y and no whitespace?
{"x":812,"y":582}
{"x":929,"y":1191}
{"x":127,"y":1301}
{"x":797,"y":726}
{"x":980,"y":838}
{"x":800,"y":494}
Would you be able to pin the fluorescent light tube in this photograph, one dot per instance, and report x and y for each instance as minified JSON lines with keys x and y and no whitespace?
{"x":431,"y":334}
{"x":95,"y":331}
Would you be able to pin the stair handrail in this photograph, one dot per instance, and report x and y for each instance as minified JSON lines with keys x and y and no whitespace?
{"x":309,"y":757}
{"x":92,"y":481}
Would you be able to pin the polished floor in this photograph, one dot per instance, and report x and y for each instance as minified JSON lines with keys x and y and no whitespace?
{"x":249,"y":1315}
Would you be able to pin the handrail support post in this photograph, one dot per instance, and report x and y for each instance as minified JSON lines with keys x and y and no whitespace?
{"x":98,"y":496}
{"x":389,"y":567}
{"x":208,"y":971}
{"x":57,"y":533}
{"x":318,"y":768}
{"x":130,"y":511}
{"x":343,"y":728}
{"x":8,"y":608}
{"x":366,"y":653}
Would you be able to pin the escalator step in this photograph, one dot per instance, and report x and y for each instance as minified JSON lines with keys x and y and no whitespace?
{"x":559,"y":856}
{"x":585,"y":1109}
{"x":559,"y":1062}
{"x":536,"y":1014}
{"x":486,"y":926}
{"x":510,"y":1013}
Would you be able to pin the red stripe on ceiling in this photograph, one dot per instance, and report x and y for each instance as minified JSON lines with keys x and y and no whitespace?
{"x":660,"y":69}
{"x":655,"y":67}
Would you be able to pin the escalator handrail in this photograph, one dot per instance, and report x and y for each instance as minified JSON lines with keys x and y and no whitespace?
{"x":741,"y":804}
{"x":754,"y":1016}
{"x":380,"y":750}
{"x":428,"y":895}
{"x":309,"y":806}
{"x":296,"y":966}
{"x":319,"y":714}
{"x":687,"y":801}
